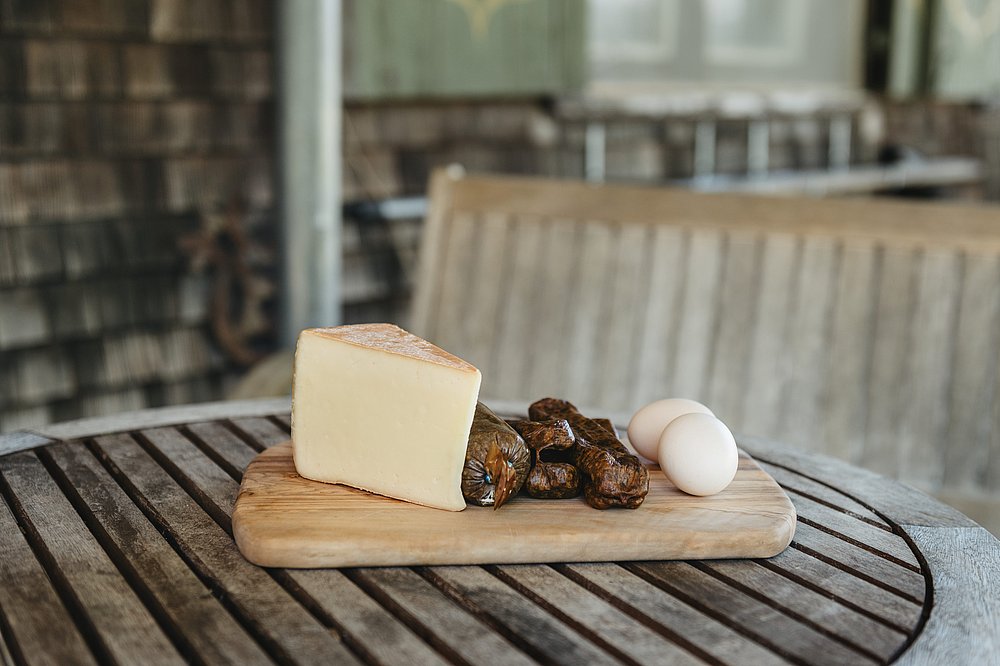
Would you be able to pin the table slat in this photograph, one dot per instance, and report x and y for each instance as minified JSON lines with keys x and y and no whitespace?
{"x":670,"y":616}
{"x":819,"y":492}
{"x":586,"y":612}
{"x":204,"y":624}
{"x":889,"y":608}
{"x":281,"y":624}
{"x":544,"y":637}
{"x":35,"y":624}
{"x":762,"y":620}
{"x":123,"y":628}
{"x":440,"y":620}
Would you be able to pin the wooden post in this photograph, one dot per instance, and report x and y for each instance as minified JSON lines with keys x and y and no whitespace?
{"x":309,"y":120}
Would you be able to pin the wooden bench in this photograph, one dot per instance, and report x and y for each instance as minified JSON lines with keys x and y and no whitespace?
{"x":865,"y":329}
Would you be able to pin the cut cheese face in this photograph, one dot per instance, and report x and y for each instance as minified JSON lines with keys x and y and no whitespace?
{"x":377,"y":408}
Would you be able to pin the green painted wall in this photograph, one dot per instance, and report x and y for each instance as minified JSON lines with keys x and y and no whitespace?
{"x":462,"y":48}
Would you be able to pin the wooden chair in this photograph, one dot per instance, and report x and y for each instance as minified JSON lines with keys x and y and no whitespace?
{"x":865,"y":329}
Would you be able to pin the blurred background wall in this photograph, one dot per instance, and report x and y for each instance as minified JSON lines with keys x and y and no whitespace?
{"x":137,"y":179}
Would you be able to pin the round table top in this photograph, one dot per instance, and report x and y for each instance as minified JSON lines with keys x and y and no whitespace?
{"x":116,"y":546}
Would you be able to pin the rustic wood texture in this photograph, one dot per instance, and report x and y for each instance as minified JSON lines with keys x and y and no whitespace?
{"x":283,"y":520}
{"x":862,"y":329}
{"x":119,"y":548}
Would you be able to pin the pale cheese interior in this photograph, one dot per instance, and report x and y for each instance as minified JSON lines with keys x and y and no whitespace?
{"x":378,"y":409}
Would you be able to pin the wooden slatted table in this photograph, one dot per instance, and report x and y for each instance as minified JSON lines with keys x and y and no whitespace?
{"x":115,"y":547}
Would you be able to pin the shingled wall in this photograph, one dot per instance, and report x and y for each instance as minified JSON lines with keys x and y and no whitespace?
{"x":121,"y":123}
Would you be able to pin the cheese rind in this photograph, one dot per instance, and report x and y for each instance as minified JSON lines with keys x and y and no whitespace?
{"x":377,"y":408}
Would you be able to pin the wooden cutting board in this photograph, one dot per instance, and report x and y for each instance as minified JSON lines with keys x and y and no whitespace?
{"x":284,"y":520}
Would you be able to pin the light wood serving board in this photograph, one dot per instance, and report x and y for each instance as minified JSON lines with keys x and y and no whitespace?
{"x":284,"y":520}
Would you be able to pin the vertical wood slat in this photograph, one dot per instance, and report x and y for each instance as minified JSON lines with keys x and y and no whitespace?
{"x":630,"y":277}
{"x":731,"y":360}
{"x":764,"y":386}
{"x":33,"y":619}
{"x":697,"y":314}
{"x":123,"y":626}
{"x":660,"y":325}
{"x":553,"y":313}
{"x":280,"y":623}
{"x":480,"y":311}
{"x":204,"y":623}
{"x":808,"y":340}
{"x":844,"y":401}
{"x":974,"y":383}
{"x":925,"y":414}
{"x":893,"y":326}
{"x":455,"y":270}
{"x":582,"y":346}
{"x":433,"y":256}
{"x":517,"y":322}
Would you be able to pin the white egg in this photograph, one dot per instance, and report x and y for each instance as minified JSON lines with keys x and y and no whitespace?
{"x":698,"y":454}
{"x":648,"y":423}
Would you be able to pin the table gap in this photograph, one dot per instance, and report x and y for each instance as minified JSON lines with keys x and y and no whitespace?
{"x":827,"y":503}
{"x":863,"y":576}
{"x":854,"y":542}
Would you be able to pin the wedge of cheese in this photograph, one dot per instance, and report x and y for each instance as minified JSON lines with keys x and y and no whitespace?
{"x":377,"y":408}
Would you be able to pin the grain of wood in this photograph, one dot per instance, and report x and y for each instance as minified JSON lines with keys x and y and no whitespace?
{"x":206,"y":626}
{"x":792,"y":482}
{"x":836,"y":583}
{"x":512,"y":352}
{"x":593,"y":616}
{"x":925,"y":394}
{"x":860,"y":561}
{"x":824,"y":614}
{"x":963,"y":625}
{"x":765,"y":623}
{"x":974,"y":383}
{"x":891,"y":347}
{"x":37,"y":625}
{"x":660,"y":325}
{"x":284,"y":520}
{"x":552,"y":310}
{"x":272,"y":614}
{"x":630,"y":276}
{"x":598,"y":246}
{"x":808,"y":335}
{"x":731,"y":360}
{"x":845,"y":405}
{"x":464,"y":633}
{"x":123,"y":625}
{"x":545,"y":636}
{"x":764,"y":389}
{"x":668,"y":615}
{"x":698,"y":313}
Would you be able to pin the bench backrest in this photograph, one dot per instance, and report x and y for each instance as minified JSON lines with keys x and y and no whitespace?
{"x":865,"y":329}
